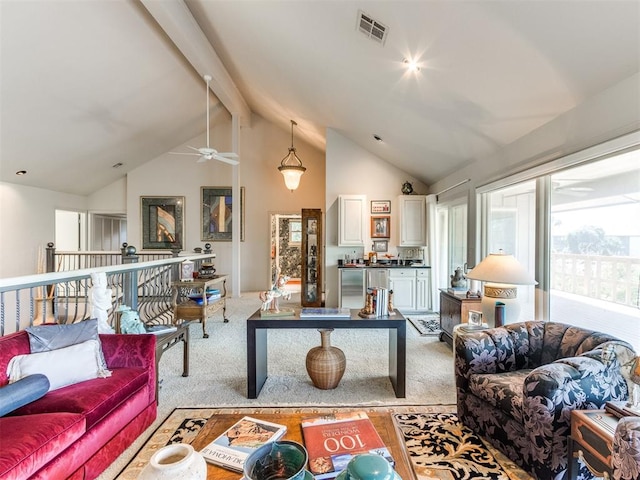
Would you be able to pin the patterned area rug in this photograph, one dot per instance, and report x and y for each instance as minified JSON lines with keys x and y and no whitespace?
{"x":426,"y":325}
{"x":439,"y":447}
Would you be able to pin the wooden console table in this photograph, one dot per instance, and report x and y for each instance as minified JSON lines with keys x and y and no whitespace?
{"x":186,"y":309}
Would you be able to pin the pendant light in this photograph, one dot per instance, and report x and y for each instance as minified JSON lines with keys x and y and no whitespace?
{"x":291,"y":166}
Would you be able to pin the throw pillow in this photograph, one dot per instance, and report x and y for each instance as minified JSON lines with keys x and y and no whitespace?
{"x":22,"y":392}
{"x":64,"y":366}
{"x":44,"y":338}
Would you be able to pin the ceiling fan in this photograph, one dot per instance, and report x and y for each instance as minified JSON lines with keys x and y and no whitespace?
{"x":208,"y":153}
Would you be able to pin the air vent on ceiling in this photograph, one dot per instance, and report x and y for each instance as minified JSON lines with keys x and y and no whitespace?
{"x":372,"y":28}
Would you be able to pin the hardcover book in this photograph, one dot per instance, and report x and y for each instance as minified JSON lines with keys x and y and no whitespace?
{"x":332,"y":440}
{"x":231,"y":448}
{"x":319,"y":312}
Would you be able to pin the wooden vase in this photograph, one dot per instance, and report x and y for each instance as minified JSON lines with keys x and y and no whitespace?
{"x":326,"y":364}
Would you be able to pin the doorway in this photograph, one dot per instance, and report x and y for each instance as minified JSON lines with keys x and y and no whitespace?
{"x":286,"y":247}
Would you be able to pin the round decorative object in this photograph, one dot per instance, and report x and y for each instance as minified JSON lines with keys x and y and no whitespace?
{"x":458,"y":280}
{"x":407,"y":188}
{"x":368,"y":467}
{"x":326,"y":364}
{"x":282,"y":459}
{"x":175,"y":462}
{"x":130,"y":250}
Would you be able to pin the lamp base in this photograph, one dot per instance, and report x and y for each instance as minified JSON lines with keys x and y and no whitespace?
{"x":507,"y":294}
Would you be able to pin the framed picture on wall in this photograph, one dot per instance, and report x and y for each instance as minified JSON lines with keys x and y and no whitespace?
{"x":162,"y":222}
{"x":216,"y":214}
{"x":380,"y":246}
{"x":380,"y":206}
{"x":380,"y":227}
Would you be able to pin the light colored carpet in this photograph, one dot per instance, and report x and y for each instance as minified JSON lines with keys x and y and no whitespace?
{"x":427,"y":324}
{"x":218,"y":370}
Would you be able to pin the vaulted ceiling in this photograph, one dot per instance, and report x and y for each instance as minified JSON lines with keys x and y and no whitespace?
{"x":86,"y":85}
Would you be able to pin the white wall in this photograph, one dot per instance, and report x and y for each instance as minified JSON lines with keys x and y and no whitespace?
{"x":353,"y":170}
{"x":27,"y":219}
{"x":262,"y":146}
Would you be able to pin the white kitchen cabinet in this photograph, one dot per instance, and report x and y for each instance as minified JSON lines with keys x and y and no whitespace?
{"x":403,"y":283}
{"x":423,"y":294}
{"x":410,"y":288}
{"x":351,"y":220}
{"x":412,"y":211}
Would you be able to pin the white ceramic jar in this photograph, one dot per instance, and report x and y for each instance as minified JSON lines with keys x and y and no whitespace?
{"x":175,"y":462}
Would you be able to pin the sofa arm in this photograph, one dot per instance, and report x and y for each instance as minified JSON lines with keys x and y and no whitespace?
{"x":122,"y":350}
{"x":137,"y":350}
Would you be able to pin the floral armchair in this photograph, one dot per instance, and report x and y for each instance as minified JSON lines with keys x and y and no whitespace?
{"x":517,"y":384}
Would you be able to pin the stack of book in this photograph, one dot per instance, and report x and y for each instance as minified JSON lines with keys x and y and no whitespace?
{"x":380,"y":301}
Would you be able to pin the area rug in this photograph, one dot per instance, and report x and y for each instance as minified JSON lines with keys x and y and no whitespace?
{"x":427,"y":325}
{"x":429,"y":431}
{"x":440,"y":447}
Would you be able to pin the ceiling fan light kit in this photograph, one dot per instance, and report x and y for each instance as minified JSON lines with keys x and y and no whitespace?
{"x":208,"y":153}
{"x":291,"y":166}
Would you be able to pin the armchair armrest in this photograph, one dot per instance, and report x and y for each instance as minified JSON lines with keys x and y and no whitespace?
{"x":625,"y":455}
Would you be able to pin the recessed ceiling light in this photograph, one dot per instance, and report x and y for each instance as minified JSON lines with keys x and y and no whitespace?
{"x":412,"y":65}
{"x":21,"y":172}
{"x":377,"y":137}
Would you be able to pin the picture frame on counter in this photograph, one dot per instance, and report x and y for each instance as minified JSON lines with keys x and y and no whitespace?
{"x":380,"y":206}
{"x":380,"y":227}
{"x":380,"y":246}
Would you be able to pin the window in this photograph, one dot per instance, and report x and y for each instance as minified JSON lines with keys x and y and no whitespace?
{"x":595,"y":245}
{"x":295,"y":232}
{"x":589,"y":259}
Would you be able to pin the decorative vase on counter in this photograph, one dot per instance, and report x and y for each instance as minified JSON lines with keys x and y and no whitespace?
{"x":458,"y":280}
{"x":175,"y":462}
{"x":326,"y":364}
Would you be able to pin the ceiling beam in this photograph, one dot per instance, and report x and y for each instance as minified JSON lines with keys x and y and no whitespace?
{"x":178,"y":23}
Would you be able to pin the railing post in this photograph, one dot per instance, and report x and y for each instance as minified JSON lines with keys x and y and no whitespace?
{"x":130,"y":279}
{"x":50,"y":266}
{"x":175,"y":271}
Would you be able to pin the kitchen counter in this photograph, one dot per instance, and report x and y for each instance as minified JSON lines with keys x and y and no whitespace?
{"x":382,"y":265}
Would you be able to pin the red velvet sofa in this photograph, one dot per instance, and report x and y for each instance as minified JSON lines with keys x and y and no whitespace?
{"x":77,"y":431}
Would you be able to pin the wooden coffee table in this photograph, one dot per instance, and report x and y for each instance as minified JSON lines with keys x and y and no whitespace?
{"x":381,"y":420}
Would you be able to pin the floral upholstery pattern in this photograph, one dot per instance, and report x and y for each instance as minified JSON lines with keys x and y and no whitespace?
{"x":517,"y":384}
{"x":626,"y":449}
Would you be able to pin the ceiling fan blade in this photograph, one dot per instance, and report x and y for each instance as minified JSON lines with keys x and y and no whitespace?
{"x":203,"y":158}
{"x":228,"y":154}
{"x":226,"y":160}
{"x":183,"y":153}
{"x":193,"y":148}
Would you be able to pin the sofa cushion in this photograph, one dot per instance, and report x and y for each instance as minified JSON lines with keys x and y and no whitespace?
{"x":22,"y":392}
{"x":62,"y":367}
{"x":48,"y":337}
{"x":501,"y":390}
{"x":94,"y":399}
{"x":27,"y":444}
{"x":10,"y":346}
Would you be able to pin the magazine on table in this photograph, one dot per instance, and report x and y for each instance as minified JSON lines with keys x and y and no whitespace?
{"x":320,"y":312}
{"x":332,"y":440}
{"x":231,"y":448}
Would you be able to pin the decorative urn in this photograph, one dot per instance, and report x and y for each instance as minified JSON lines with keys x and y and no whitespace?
{"x":458,"y":280}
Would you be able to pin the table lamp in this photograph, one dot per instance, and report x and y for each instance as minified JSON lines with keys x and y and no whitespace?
{"x":501,"y":274}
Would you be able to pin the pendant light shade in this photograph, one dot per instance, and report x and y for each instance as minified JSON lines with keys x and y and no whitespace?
{"x":291,"y":166}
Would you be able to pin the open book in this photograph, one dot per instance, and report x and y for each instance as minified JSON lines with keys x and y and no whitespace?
{"x":232,"y":447}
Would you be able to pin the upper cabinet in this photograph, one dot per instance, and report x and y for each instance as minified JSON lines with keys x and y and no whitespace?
{"x":351,"y":220}
{"x":413,"y":220}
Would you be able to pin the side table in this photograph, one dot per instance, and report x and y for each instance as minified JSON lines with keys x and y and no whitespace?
{"x":164,"y":341}
{"x":591,"y":442}
{"x":186,"y":309}
{"x":454,"y":309}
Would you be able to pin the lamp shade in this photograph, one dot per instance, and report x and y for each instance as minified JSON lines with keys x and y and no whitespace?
{"x":501,"y":268}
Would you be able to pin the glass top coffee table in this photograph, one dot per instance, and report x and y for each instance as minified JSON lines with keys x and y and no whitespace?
{"x":382,"y":421}
{"x":258,"y":326}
